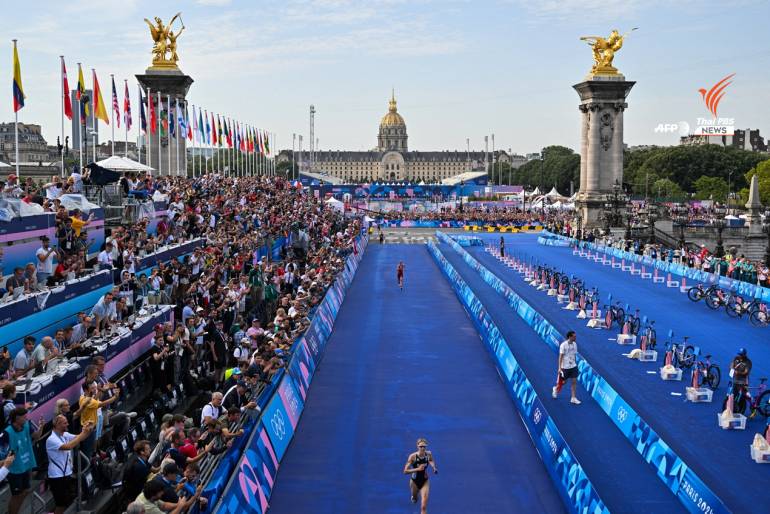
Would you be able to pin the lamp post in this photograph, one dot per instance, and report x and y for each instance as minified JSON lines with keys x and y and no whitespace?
{"x":719,"y":211}
{"x":580,"y":226}
{"x":629,"y":213}
{"x":680,"y":218}
{"x":651,"y":215}
{"x":766,"y":228}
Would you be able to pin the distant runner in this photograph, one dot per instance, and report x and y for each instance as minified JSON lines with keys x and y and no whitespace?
{"x":502,"y":247}
{"x":417,"y":465}
{"x":400,"y":274}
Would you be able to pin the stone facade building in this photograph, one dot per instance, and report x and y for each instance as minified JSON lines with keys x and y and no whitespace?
{"x":32,"y":146}
{"x":392,"y":159}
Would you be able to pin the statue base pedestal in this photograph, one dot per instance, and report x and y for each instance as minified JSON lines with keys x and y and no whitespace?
{"x":161,"y":152}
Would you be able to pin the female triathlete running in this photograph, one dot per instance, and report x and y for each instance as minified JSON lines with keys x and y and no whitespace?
{"x":416,"y":465}
{"x":400,"y":274}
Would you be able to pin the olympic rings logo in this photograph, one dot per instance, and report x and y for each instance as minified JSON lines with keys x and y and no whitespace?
{"x":537,"y":416}
{"x":622,"y":414}
{"x":278,"y":424}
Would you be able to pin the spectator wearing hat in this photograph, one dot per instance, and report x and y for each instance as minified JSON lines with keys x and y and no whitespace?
{"x":237,"y":397}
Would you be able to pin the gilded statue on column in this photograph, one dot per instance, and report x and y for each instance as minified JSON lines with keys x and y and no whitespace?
{"x":164,"y":49}
{"x":604,"y":51}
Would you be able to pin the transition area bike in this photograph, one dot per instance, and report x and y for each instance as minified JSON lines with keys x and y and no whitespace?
{"x":682,"y":354}
{"x":757,"y":403}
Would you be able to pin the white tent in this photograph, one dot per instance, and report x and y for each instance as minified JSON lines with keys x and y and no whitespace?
{"x":536,"y":192}
{"x":4,"y":165}
{"x":123,"y":164}
{"x":335,"y":204}
{"x":553,"y":193}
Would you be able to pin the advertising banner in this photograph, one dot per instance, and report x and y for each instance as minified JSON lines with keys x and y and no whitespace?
{"x":694,"y":494}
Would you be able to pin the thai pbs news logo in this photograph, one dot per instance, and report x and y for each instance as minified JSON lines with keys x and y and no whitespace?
{"x":713,"y":126}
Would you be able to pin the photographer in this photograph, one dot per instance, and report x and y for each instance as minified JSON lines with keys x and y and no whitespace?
{"x":59,"y":448}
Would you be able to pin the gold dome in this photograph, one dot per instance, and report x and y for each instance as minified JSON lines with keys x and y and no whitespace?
{"x":393,"y":118}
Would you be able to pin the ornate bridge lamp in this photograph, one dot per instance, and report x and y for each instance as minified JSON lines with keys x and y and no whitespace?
{"x":629,"y":214}
{"x":766,"y":228}
{"x":680,"y":218}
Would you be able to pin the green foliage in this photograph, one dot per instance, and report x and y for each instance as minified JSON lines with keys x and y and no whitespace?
{"x":667,"y":189}
{"x":711,"y":188}
{"x":684,"y":165}
{"x":559,"y":166}
{"x":762,"y":169}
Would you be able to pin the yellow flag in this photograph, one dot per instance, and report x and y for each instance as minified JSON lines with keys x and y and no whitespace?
{"x":99,"y":110}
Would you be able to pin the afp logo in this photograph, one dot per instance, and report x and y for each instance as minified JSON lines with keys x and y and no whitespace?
{"x":682,"y":128}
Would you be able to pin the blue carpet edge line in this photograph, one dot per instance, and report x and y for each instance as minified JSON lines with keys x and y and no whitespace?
{"x":743,"y":288}
{"x":231,"y":500}
{"x":568,"y":475}
{"x":683,"y":482}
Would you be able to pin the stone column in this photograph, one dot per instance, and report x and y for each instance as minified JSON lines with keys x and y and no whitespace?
{"x":602,"y":102}
{"x":176,"y":84}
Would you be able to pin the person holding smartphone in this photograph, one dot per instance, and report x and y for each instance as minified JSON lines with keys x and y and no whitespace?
{"x":59,"y":446}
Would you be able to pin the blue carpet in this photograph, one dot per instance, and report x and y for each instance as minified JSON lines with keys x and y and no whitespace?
{"x":398,"y":366}
{"x":690,"y":429}
{"x":623,"y":480}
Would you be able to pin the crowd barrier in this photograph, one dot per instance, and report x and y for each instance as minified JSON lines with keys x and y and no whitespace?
{"x":513,"y":229}
{"x":740,"y":287}
{"x":474,"y":226}
{"x":688,"y":487}
{"x":245,"y":482}
{"x":41,"y":314}
{"x":568,"y":476}
{"x":123,"y":348}
{"x":548,"y":239}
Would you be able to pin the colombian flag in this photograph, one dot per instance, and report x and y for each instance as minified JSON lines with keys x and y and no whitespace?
{"x":81,"y":96}
{"x":18,"y":90}
{"x":100,"y":111}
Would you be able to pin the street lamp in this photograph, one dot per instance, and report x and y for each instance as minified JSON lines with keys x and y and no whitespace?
{"x":651,"y":215}
{"x":629,"y":213}
{"x":720,"y":223}
{"x":766,"y":227}
{"x":580,"y":226}
{"x":680,"y":218}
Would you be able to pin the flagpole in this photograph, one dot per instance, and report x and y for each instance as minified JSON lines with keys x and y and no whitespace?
{"x":160,"y":135}
{"x":112,"y":114}
{"x":16,"y":128}
{"x":61,"y":79}
{"x":178,"y":128}
{"x":80,"y":131}
{"x":125,"y":115}
{"x":148,"y":129}
{"x":93,"y":110}
{"x":168,"y":132}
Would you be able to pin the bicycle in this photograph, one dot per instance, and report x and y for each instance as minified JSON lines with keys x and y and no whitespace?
{"x":649,"y":337}
{"x":614,"y":314}
{"x":697,"y":293}
{"x":756,"y":404}
{"x":719,"y":299}
{"x":633,"y":322}
{"x":709,"y":371}
{"x":682,"y":354}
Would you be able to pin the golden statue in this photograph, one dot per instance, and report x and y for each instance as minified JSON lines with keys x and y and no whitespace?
{"x":604,"y":51}
{"x":164,"y":42}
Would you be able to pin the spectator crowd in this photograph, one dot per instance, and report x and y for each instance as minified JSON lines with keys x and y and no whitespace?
{"x":237,"y":311}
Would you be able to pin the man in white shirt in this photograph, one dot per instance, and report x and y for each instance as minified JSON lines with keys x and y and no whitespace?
{"x":102,"y":312}
{"x":44,"y":264}
{"x":105,"y":257}
{"x":567,"y":367}
{"x":59,"y":447}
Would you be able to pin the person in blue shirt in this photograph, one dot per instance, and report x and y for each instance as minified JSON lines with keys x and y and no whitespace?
{"x":18,"y":437}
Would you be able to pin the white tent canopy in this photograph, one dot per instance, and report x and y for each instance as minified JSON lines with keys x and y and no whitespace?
{"x":553,"y":193}
{"x":536,"y":192}
{"x":4,"y":165}
{"x":122,"y":164}
{"x":335,"y":204}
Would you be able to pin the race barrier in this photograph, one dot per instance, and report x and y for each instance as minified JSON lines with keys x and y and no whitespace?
{"x":549,"y":240}
{"x":574,"y":487}
{"x":41,"y":314}
{"x":244,"y":480}
{"x":688,"y":487}
{"x":473,"y":226}
{"x":665,"y":267}
{"x":167,"y":253}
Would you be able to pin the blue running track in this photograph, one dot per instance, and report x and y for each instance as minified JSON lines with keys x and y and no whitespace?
{"x":721,"y":458}
{"x":622,"y":478}
{"x":402,"y":365}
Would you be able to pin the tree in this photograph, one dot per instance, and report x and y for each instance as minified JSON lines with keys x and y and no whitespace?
{"x":666,"y":189}
{"x":762,"y":169}
{"x":711,"y":188}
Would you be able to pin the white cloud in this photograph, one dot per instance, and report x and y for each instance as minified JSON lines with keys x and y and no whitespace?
{"x":213,"y":3}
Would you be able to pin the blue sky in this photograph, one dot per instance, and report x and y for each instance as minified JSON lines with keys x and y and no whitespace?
{"x":461,"y":69}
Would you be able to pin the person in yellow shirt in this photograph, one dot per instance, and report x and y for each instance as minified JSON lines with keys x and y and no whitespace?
{"x":78,"y":223}
{"x":90,"y":411}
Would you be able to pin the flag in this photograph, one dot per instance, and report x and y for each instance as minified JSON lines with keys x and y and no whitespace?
{"x":115,"y":105}
{"x":153,"y":114}
{"x":142,"y":116}
{"x":163,"y":119}
{"x":267,"y":144}
{"x":187,"y":122}
{"x":229,"y":133}
{"x":213,"y":130}
{"x":208,"y":130}
{"x":181,"y":121}
{"x":18,"y":90}
{"x":200,"y":124}
{"x":127,"y":108}
{"x":195,"y":126}
{"x":66,"y":91}
{"x":219,"y":131}
{"x":99,"y":110}
{"x":171,"y":119}
{"x":83,"y":99}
